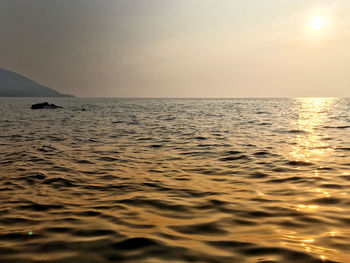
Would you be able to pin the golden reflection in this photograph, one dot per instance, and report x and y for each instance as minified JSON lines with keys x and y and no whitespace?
{"x":323,"y":193}
{"x":311,"y":245}
{"x":307,"y":208}
{"x":309,"y":146}
{"x":310,"y":240}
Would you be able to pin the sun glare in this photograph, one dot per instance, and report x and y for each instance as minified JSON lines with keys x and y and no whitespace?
{"x":317,"y":22}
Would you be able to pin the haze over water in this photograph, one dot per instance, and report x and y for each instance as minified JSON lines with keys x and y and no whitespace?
{"x":175,"y":180}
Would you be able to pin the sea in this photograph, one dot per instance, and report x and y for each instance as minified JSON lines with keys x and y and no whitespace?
{"x":175,"y":180}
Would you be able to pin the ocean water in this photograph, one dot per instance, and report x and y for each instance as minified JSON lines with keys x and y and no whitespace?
{"x":175,"y":180}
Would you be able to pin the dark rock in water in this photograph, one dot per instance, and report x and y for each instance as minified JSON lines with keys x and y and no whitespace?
{"x":45,"y":105}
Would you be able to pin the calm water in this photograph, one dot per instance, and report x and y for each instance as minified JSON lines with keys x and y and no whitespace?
{"x":147,"y":180}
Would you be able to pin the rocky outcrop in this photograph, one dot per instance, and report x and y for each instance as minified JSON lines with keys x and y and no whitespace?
{"x":44,"y":105}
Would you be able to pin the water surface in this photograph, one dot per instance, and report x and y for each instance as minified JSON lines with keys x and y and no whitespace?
{"x":161,"y":180}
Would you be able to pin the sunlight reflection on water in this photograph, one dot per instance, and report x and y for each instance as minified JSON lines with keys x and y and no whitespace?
{"x":310,"y":145}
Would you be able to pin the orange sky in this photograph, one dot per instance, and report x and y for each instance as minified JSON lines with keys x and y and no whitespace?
{"x":183,"y":48}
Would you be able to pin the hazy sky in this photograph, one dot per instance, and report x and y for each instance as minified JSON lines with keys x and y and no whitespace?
{"x":179,"y":48}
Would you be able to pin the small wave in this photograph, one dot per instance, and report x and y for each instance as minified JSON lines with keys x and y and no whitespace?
{"x":16,"y":221}
{"x":200,"y":138}
{"x":40,"y":207}
{"x":337,"y":127}
{"x":108,"y":159}
{"x":230,"y":245}
{"x":294,"y":131}
{"x":59,"y":182}
{"x":136,"y":243}
{"x":261,"y":153}
{"x":343,"y":148}
{"x":299,"y":163}
{"x":156,"y":145}
{"x":288,"y":255}
{"x":326,"y":201}
{"x":158,"y":204}
{"x":84,"y":162}
{"x":233,"y":158}
{"x":258,"y":175}
{"x":211,"y":228}
{"x":18,"y":236}
{"x":332,"y":186}
{"x":287,"y":179}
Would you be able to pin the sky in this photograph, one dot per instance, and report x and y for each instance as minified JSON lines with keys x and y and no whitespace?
{"x":179,"y":48}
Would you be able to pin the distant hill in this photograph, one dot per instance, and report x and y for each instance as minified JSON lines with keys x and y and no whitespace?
{"x":15,"y":85}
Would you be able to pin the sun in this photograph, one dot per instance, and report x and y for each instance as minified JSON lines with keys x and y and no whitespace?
{"x":317,"y":22}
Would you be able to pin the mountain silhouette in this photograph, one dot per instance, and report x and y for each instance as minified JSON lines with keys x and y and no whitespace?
{"x":15,"y":85}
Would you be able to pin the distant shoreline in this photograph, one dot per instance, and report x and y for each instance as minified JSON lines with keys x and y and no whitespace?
{"x":13,"y":84}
